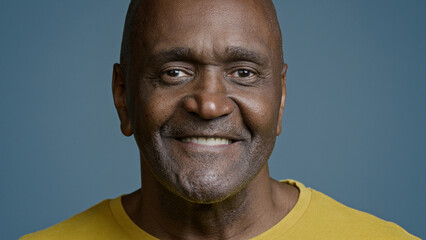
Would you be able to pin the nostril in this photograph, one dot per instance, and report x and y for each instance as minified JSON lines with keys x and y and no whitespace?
{"x":190,"y":105}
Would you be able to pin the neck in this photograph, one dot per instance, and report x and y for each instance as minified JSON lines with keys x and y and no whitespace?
{"x":246,"y":214}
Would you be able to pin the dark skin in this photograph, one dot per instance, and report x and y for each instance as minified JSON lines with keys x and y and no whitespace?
{"x":209,"y":71}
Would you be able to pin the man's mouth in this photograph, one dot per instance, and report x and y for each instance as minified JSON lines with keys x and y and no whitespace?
{"x":208,"y":141}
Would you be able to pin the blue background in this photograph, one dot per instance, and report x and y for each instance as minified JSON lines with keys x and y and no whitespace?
{"x":354,"y":125}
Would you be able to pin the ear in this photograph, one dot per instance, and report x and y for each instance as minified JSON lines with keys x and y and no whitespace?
{"x":283,"y":95}
{"x":119,"y":94}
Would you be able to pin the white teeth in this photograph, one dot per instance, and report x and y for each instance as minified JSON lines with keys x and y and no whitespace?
{"x":207,"y":141}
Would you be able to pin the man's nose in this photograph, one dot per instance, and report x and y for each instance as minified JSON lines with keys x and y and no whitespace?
{"x":209,"y":97}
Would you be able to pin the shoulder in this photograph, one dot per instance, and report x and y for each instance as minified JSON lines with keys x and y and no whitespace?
{"x":96,"y":222}
{"x":340,"y":220}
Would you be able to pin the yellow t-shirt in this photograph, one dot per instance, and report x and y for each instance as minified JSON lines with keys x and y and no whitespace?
{"x":315,"y":216}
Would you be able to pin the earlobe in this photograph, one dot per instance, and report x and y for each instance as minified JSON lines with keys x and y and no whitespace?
{"x":119,"y":94}
{"x":283,"y":96}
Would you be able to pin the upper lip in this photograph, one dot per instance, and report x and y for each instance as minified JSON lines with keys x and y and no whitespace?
{"x":193,"y":127}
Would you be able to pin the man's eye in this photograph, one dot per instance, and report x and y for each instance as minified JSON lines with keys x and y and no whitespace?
{"x":175,"y":76}
{"x":176,"y":73}
{"x":242,"y":73}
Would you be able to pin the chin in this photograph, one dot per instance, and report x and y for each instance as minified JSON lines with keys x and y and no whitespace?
{"x":208,"y":187}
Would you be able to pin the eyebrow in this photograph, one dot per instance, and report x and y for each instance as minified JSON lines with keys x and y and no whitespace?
{"x":231,"y":54}
{"x":243,"y":54}
{"x":175,"y":54}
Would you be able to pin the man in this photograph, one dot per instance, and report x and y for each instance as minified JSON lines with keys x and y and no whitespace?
{"x":201,"y":86}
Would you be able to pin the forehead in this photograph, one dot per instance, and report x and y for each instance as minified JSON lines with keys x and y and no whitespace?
{"x":206,"y":27}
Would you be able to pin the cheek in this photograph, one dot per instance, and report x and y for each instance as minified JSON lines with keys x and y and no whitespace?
{"x":152,"y":109}
{"x":259,"y":111}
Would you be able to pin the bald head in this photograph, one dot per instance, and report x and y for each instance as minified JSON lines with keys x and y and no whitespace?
{"x":142,"y":13}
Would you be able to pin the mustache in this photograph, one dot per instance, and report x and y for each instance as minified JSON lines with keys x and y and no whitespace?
{"x":196,"y":126}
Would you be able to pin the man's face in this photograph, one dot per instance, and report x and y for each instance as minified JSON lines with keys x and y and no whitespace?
{"x":204,"y":95}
